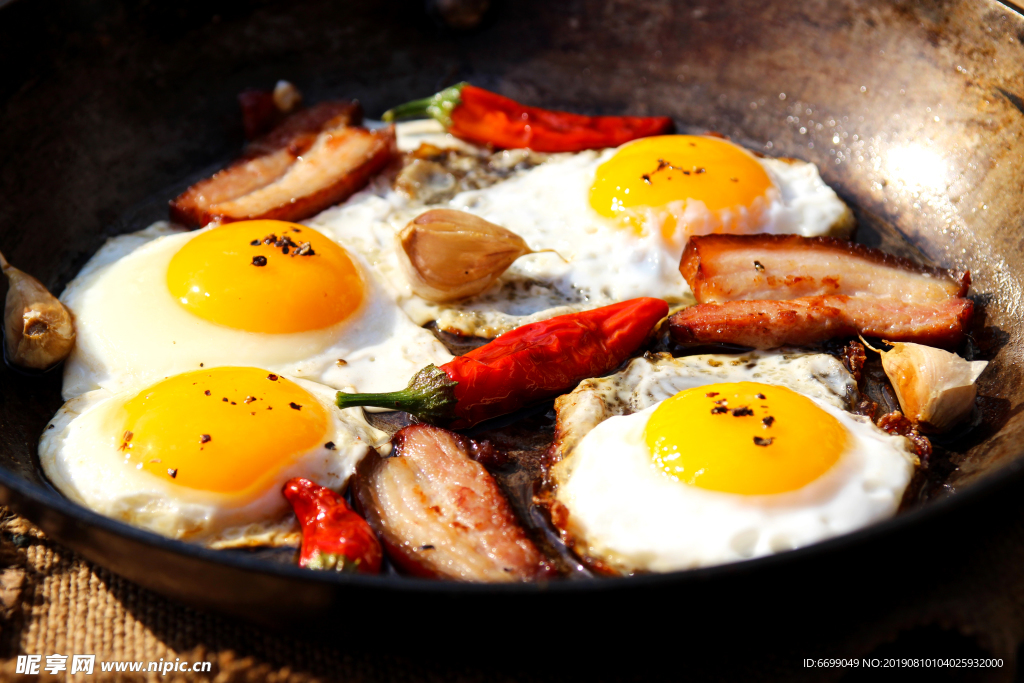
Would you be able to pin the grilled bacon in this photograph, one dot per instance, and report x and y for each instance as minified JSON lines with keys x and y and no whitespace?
{"x":765,"y":291}
{"x":314,"y":159}
{"x":440,"y":514}
{"x":722,"y":268}
{"x":808,"y":320}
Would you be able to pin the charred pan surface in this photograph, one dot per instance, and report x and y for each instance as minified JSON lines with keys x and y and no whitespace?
{"x":314,"y":159}
{"x":809,"y":320}
{"x":722,"y":268}
{"x":440,"y":514}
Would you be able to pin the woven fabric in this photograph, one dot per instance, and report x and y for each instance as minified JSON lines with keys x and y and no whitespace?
{"x":53,"y":602}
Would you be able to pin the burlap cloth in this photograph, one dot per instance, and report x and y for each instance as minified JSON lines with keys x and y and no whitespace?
{"x":53,"y":602}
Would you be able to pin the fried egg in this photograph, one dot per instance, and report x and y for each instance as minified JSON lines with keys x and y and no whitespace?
{"x":255,"y":293}
{"x":202,"y":456}
{"x":676,"y":463}
{"x":615,"y":222}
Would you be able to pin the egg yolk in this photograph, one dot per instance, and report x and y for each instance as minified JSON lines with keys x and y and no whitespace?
{"x":266,"y":276}
{"x":225,"y":430}
{"x":656,"y":171}
{"x":745,"y":437}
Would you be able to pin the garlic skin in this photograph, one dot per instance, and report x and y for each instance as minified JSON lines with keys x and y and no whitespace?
{"x":449,"y":255}
{"x":935,"y":388}
{"x":38,"y":329}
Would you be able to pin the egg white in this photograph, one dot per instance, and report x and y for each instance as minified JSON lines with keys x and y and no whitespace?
{"x":595,"y":261}
{"x":81,"y":456}
{"x":626,"y":513}
{"x":131,"y":331}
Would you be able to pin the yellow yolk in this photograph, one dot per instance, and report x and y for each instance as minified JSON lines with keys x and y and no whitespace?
{"x":653,"y":172}
{"x":259,"y":276}
{"x":744,"y":437}
{"x":224,"y":430}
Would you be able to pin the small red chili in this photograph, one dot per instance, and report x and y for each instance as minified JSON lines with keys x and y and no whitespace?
{"x":526,"y":365}
{"x":333,"y":535}
{"x":486,"y":118}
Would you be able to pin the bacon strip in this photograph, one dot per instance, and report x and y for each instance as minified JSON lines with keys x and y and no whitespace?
{"x":722,"y":268}
{"x":314,"y":159}
{"x":440,"y":514}
{"x":808,"y":320}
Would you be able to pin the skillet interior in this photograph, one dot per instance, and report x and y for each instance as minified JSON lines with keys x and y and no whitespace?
{"x":913,"y":112}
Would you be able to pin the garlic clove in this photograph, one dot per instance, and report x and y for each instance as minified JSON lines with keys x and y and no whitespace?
{"x":936,"y":389}
{"x":38,"y":329}
{"x":449,"y":255}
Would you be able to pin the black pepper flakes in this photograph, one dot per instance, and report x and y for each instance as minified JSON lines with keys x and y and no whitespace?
{"x":768,"y":421}
{"x":426,"y":546}
{"x":172,"y":473}
{"x":200,"y":365}
{"x":329,"y":445}
{"x":225,"y":399}
{"x":758,"y":267}
{"x":758,"y":441}
{"x":272,"y":377}
{"x":295,"y":406}
{"x":255,"y":243}
{"x":760,"y":396}
{"x":711,"y":394}
{"x":742,"y":412}
{"x":270,"y":239}
{"x":304,"y":249}
{"x":233,"y":403}
{"x":249,"y":399}
{"x":207,"y":392}
{"x":259,"y":260}
{"x":719,"y":410}
{"x":204,"y":438}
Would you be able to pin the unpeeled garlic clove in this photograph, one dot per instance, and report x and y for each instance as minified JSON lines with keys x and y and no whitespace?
{"x":449,"y":255}
{"x":935,"y":388}
{"x":38,"y":329}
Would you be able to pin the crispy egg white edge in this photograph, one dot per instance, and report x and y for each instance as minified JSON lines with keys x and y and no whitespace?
{"x":540,"y":286}
{"x":85,"y":464}
{"x":114,"y":296}
{"x":645,"y":382}
{"x":626,"y":510}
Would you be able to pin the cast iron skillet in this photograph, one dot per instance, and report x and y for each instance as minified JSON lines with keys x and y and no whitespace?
{"x":913,"y":112}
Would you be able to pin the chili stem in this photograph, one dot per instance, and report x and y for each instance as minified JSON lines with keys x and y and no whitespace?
{"x":438,"y":106}
{"x":430,"y":396}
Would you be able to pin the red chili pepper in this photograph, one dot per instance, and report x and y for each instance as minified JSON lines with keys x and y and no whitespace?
{"x":528,"y":364}
{"x":333,"y":536}
{"x":485,"y":118}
